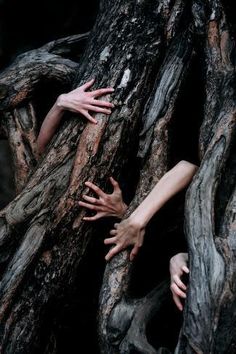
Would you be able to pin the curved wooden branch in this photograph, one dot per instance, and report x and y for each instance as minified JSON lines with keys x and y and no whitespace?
{"x":129,"y":319}
{"x":18,"y":81}
{"x":210,"y":296}
{"x":68,"y":46}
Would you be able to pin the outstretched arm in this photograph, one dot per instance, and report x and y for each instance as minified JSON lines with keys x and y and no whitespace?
{"x":130,"y":232}
{"x":78,"y":101}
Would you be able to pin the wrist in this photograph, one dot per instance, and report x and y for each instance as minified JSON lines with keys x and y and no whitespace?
{"x":60,"y":103}
{"x":137,"y":221}
{"x":122,"y":211}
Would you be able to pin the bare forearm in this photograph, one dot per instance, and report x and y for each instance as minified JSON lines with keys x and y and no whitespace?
{"x":170,"y":184}
{"x":49,"y":126}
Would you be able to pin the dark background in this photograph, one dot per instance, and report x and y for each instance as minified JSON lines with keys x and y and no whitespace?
{"x":28,"y":24}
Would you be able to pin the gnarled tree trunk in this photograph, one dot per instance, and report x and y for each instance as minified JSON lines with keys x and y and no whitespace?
{"x":146,"y":50}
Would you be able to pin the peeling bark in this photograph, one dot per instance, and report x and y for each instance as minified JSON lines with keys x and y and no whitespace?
{"x":145,"y":50}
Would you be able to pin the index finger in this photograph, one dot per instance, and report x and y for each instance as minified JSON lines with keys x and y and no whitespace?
{"x":95,"y":188}
{"x":113,"y":251}
{"x":177,"y":302}
{"x":179,"y":282}
{"x":101,"y":92}
{"x":87,"y":84}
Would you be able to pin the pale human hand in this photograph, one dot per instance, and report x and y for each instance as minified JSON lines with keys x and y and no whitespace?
{"x":106,"y":204}
{"x":127,"y":233}
{"x":178,"y":266}
{"x":82,"y":101}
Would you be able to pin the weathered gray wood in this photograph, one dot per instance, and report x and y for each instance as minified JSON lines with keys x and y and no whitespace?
{"x":209,"y":319}
{"x":21,"y":78}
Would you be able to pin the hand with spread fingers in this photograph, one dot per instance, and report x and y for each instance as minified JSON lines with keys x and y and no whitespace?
{"x":130,"y":232}
{"x":178,"y":266}
{"x":126,"y":233}
{"x":82,"y":101}
{"x":105,"y":204}
{"x":79,"y":101}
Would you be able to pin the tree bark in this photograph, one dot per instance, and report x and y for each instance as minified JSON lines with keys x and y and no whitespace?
{"x":43,"y":237}
{"x":209,"y":312}
{"x":145,"y":50}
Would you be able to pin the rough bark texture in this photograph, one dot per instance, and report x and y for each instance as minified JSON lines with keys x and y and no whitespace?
{"x":42,"y":235}
{"x":145,"y":49}
{"x":209,"y":324}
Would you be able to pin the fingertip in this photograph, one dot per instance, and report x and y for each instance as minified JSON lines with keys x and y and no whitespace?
{"x":185,"y":269}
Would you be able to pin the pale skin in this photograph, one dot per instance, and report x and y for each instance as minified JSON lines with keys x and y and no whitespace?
{"x":79,"y":101}
{"x":178,"y":266}
{"x":130,"y":232}
{"x":105,"y":204}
